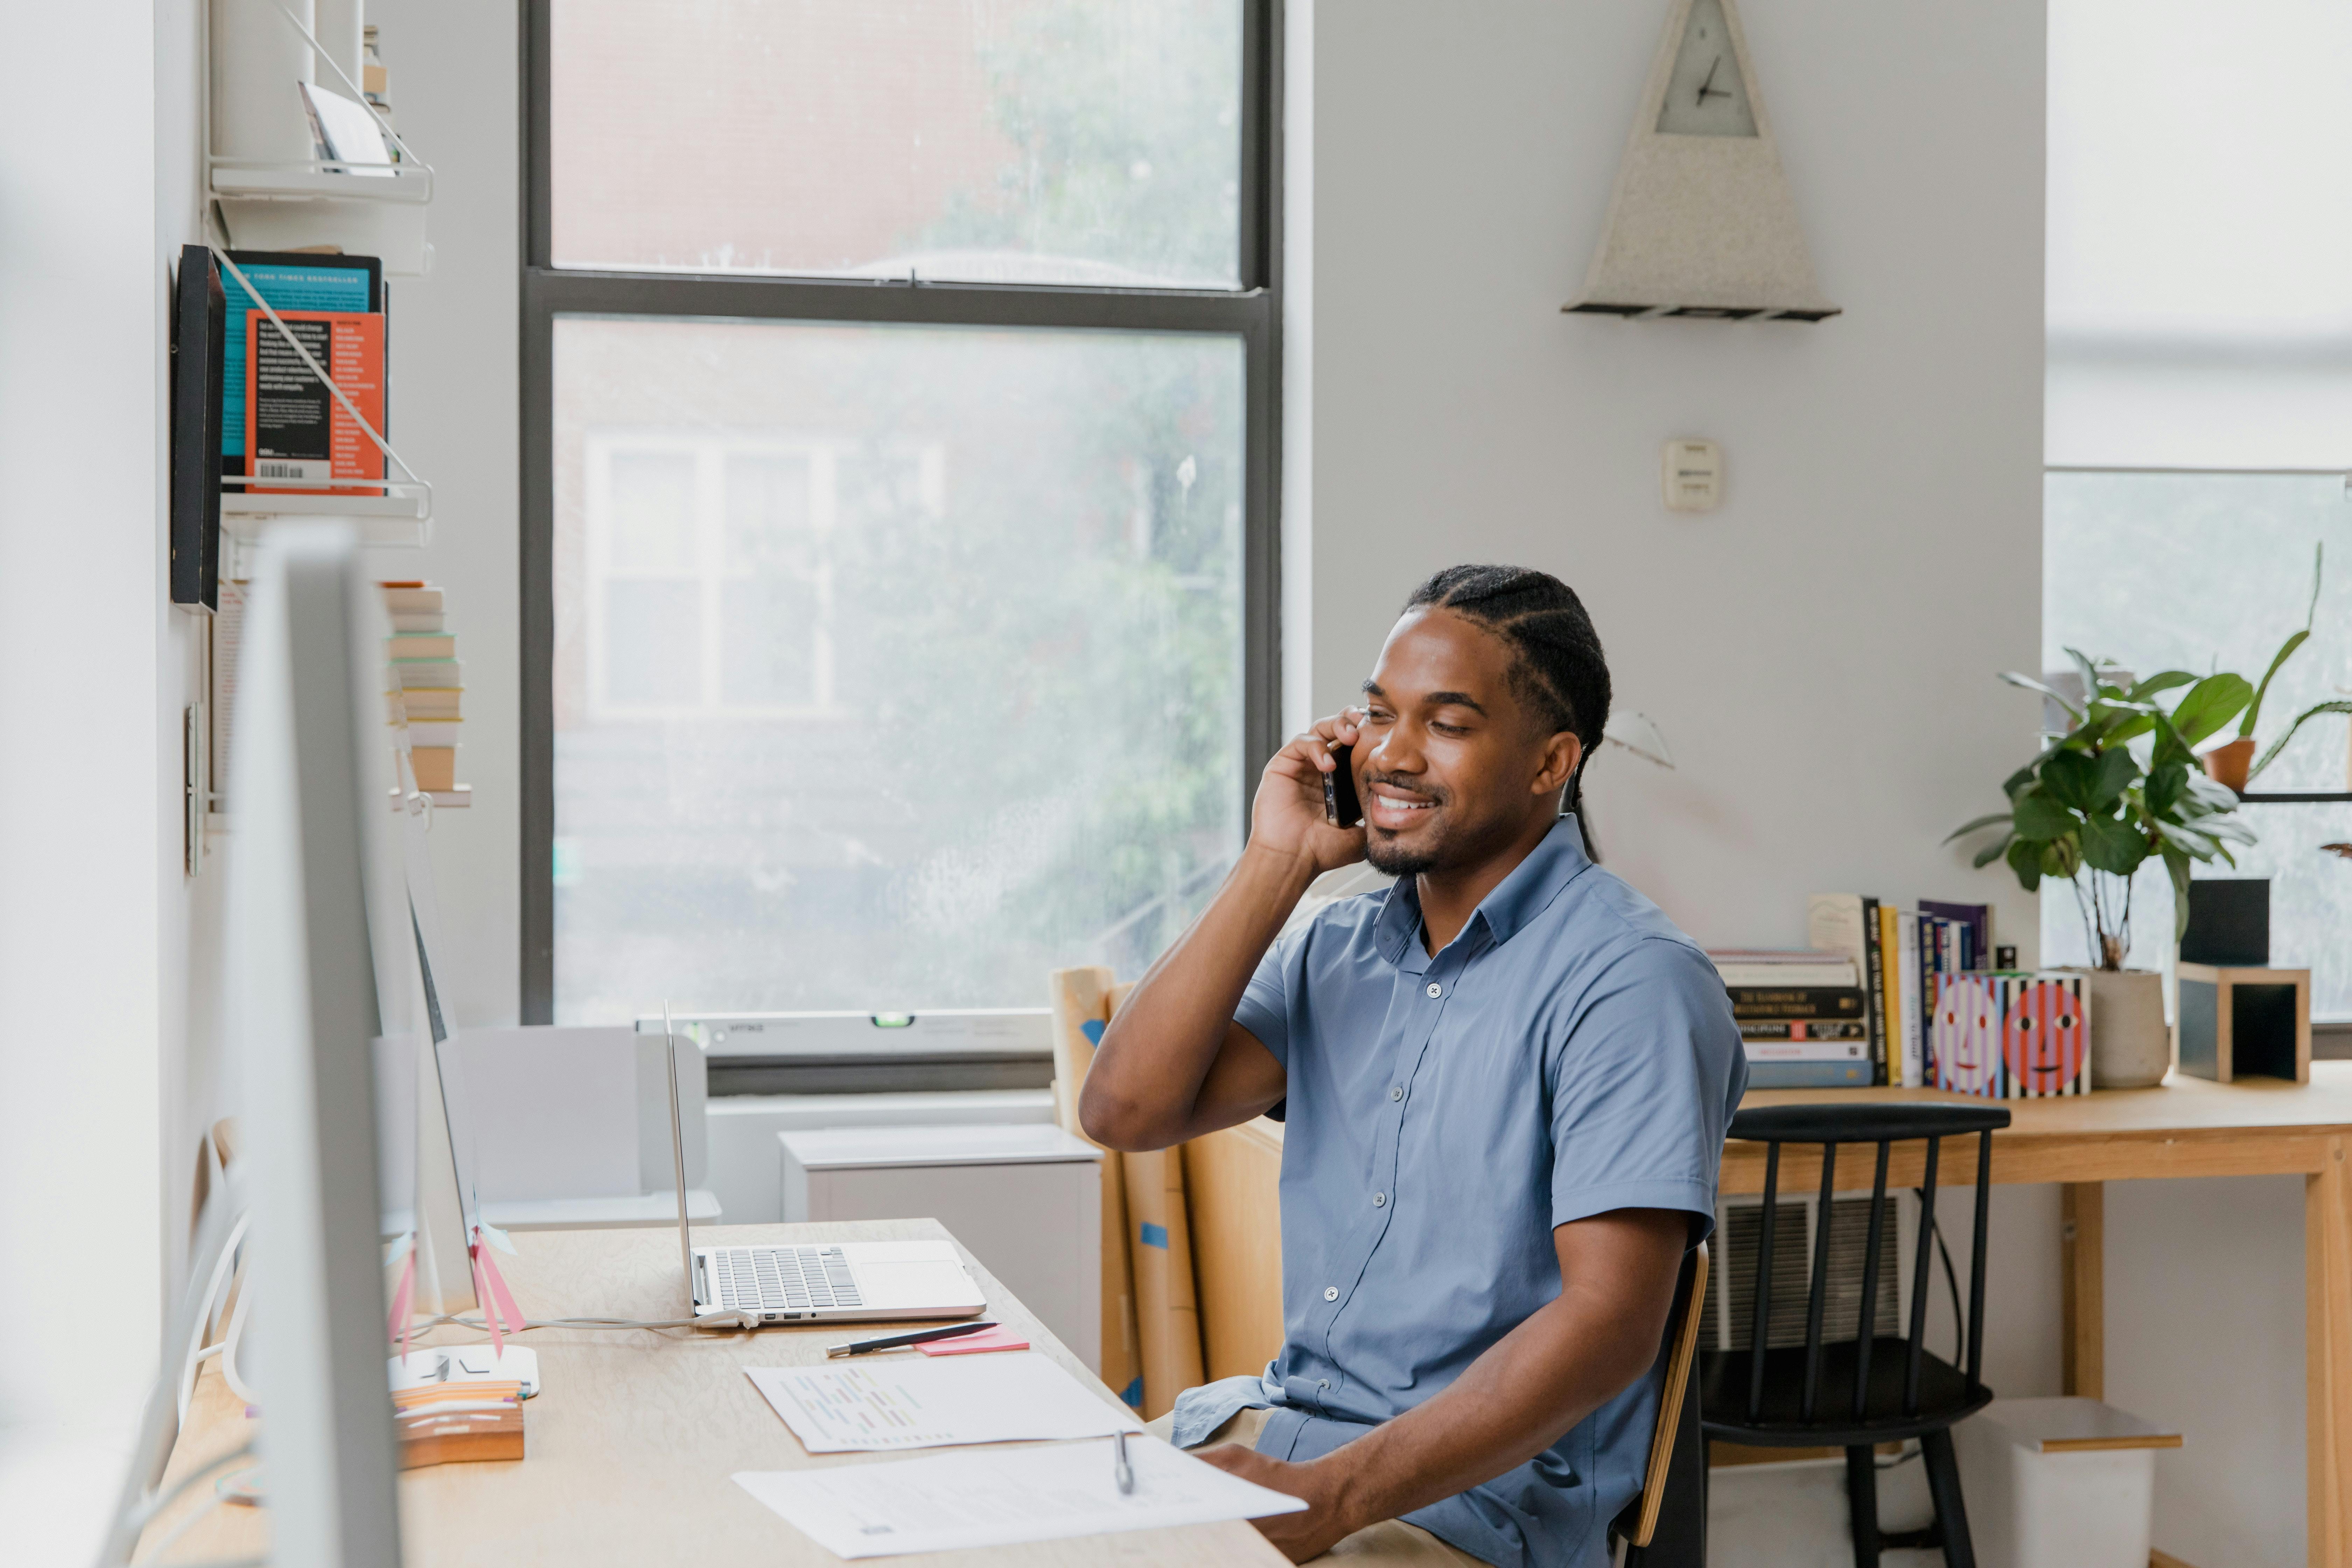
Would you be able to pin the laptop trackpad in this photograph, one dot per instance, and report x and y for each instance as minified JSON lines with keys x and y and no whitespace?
{"x":919,"y":1282}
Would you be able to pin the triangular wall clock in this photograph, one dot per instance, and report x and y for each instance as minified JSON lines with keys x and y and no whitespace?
{"x":1701,"y":222}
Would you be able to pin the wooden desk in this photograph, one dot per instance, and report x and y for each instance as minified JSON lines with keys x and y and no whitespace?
{"x":2188,"y":1127}
{"x":631,"y":1443}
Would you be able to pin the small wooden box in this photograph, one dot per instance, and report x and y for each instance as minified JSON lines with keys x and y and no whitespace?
{"x":2244,"y":1023}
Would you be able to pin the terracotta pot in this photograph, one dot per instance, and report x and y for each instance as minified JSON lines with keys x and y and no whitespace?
{"x":2131,"y":1047}
{"x":2227,"y":766}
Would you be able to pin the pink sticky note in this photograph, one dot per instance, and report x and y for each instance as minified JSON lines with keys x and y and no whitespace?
{"x":996,"y":1339}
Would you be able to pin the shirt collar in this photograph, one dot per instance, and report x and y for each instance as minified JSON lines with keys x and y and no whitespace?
{"x":1517,"y":900}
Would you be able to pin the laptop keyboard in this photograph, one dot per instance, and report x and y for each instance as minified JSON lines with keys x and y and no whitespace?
{"x":783,"y":1279}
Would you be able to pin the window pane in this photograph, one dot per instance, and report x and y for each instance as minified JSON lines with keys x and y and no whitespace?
{"x":2195,"y":571}
{"x":1039,"y":141}
{"x":969,"y":609}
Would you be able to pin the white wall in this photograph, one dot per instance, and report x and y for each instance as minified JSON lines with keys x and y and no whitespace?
{"x":454,"y":369}
{"x":1820,"y":652}
{"x":93,"y":908}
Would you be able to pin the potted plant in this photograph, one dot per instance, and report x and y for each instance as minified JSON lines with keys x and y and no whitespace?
{"x":2090,"y":810}
{"x":2234,"y":765}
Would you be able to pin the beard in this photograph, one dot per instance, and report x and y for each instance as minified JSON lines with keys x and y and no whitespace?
{"x":1434,"y":853}
{"x":1395,"y":860}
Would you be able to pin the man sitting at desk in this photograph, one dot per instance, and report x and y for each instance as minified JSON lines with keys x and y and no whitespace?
{"x":1506,"y":1080}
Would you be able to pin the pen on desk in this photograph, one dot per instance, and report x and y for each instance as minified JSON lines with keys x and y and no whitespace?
{"x":1119,"y":1468}
{"x":893,"y":1341}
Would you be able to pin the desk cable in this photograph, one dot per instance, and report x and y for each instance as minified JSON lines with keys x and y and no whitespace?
{"x":709,"y":1321}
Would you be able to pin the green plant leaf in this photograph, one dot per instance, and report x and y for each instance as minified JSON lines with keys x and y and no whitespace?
{"x":1995,"y":850}
{"x":2113,"y":845}
{"x":2089,"y":673}
{"x":2130,"y":728}
{"x":2072,"y":778}
{"x":2164,"y":680}
{"x":2286,"y":650}
{"x":2178,"y":864}
{"x":1980,"y":824}
{"x":2117,"y":770}
{"x":2062,"y":858}
{"x":2031,"y":684}
{"x":2022,"y":778}
{"x":2255,"y":708}
{"x":2208,"y":794}
{"x":2210,"y":703}
{"x":2025,"y":860}
{"x":2040,"y":817}
{"x":2279,"y":745}
{"x":2165,"y":788}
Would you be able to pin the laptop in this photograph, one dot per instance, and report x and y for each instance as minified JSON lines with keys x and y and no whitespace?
{"x":843,"y":1281}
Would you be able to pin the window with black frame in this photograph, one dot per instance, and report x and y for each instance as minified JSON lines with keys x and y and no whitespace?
{"x":899,"y":386}
{"x":2199,"y":419}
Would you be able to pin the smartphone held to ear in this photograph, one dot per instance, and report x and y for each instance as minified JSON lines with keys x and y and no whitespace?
{"x":1340,"y":807}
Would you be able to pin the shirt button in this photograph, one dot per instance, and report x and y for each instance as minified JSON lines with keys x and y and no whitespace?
{"x":1436,"y":989}
{"x":1330,"y":1292}
{"x":1322,"y":1383}
{"x":1397,"y":1092}
{"x":1380,"y":1200}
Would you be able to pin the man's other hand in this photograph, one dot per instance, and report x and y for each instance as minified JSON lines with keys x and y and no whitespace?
{"x":1286,"y":817}
{"x":1301,"y":1537}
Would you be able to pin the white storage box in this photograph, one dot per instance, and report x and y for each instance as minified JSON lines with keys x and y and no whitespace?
{"x":1027,"y":1200}
{"x":2059,"y":1483}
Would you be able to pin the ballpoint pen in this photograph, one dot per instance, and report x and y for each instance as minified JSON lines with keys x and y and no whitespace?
{"x":1119,"y":1468}
{"x":920,"y":1336}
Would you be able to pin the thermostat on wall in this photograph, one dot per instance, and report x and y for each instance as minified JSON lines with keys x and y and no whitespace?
{"x":1694,"y":475}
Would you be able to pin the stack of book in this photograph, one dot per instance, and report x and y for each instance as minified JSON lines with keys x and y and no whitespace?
{"x":1803,"y":1016}
{"x":440,"y":1423}
{"x":424,"y":682}
{"x":1903,"y":956}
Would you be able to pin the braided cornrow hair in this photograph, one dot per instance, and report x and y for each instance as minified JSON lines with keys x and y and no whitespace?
{"x":1558,"y":665}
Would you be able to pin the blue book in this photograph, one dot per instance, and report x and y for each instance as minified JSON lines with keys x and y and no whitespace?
{"x":288,"y":280}
{"x":1809,"y":1075}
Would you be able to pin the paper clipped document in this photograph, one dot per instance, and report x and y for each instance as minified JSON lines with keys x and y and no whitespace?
{"x":913,"y":1402}
{"x":998,"y":1497}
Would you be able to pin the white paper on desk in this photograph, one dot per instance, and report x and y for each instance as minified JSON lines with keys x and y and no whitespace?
{"x":1000,"y":1496}
{"x":914,"y":1402}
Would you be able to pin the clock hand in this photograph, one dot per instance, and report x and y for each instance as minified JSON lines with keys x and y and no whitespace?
{"x":1710,"y":78}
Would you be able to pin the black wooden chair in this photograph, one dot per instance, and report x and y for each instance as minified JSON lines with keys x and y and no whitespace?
{"x":1873,"y":1388}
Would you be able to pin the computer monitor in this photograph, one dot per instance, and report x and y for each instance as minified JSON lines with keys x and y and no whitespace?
{"x":312,"y":784}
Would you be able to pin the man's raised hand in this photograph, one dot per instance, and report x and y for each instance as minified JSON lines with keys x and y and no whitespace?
{"x":1287,"y":816}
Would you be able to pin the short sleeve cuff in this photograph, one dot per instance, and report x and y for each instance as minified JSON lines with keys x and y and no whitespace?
{"x":1265,"y":1021}
{"x":1695,"y":1198}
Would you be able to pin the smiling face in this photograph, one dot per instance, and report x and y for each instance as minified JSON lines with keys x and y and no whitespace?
{"x":1968,"y":1035}
{"x":1453,"y":766}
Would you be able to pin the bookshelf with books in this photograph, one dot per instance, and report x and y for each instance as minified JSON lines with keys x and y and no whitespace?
{"x":425,"y":687}
{"x":1803,"y":1016}
{"x":1905,"y":956}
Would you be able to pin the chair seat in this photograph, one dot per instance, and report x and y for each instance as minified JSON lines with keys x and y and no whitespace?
{"x":1945,"y":1396}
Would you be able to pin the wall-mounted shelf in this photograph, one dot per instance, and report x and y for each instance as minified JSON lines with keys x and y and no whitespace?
{"x":410,"y":183}
{"x":399,"y":519}
{"x":2294,"y":797}
{"x":288,"y":206}
{"x":442,"y":799}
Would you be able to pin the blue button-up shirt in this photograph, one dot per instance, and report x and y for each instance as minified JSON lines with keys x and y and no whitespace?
{"x":1570,"y":1053}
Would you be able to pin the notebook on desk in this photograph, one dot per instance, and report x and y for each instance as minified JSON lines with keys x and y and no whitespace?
{"x":830,"y":1281}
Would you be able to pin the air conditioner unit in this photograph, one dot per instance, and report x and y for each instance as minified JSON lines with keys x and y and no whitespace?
{"x":1728,"y":1321}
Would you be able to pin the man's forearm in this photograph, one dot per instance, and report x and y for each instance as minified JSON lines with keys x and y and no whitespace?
{"x":1145,"y":1085}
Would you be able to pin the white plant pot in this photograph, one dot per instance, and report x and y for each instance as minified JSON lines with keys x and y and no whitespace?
{"x":2131,"y":1047}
